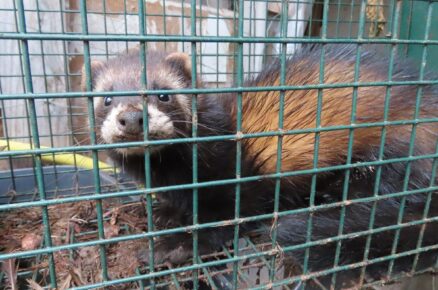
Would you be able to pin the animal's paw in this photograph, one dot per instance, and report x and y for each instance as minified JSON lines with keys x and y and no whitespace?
{"x":174,"y":249}
{"x":168,"y":217}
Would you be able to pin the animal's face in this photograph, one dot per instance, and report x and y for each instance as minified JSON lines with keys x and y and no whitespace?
{"x":120,"y":118}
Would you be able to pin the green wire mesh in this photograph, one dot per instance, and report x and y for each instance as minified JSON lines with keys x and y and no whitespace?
{"x":225,"y":41}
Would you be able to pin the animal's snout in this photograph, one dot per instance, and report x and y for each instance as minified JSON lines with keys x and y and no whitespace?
{"x":130,"y":122}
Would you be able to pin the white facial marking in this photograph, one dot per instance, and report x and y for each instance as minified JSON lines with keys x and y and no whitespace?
{"x":97,"y":101}
{"x":131,"y":151}
{"x":160,"y":125}
{"x":184,"y":103}
{"x":109,"y":127}
{"x":139,"y":106}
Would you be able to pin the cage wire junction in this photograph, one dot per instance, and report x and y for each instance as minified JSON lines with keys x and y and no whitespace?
{"x":69,"y":218}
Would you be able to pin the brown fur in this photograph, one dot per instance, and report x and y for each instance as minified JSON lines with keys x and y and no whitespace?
{"x":261,"y":111}
{"x":172,"y":164}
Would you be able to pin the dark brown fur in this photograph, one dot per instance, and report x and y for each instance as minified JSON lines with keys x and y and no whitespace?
{"x":216,"y":160}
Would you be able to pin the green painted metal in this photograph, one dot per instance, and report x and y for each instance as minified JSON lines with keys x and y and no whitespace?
{"x":238,"y":63}
{"x":350,"y":141}
{"x":410,"y":27}
{"x":36,"y":141}
{"x":283,"y":32}
{"x":414,"y":17}
{"x":194,"y":135}
{"x":419,"y":93}
{"x":382,"y":140}
{"x":92,"y":122}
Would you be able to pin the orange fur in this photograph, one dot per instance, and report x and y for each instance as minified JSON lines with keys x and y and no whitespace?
{"x":261,"y":110}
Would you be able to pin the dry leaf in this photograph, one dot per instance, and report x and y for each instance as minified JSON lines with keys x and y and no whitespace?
{"x":76,"y":276}
{"x":111,"y":230}
{"x":114,"y":216}
{"x":34,"y":285}
{"x":82,"y":266}
{"x":66,"y":283}
{"x":30,"y":241}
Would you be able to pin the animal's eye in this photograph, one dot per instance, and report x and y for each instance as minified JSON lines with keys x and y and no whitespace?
{"x":163,"y":98}
{"x":107,"y":101}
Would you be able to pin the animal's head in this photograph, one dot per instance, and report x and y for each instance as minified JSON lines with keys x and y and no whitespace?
{"x":120,"y":118}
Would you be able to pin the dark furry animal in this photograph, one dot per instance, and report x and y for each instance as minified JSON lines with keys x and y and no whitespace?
{"x":119,"y":119}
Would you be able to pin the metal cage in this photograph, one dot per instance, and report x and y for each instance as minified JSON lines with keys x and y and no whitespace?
{"x":66,"y":211}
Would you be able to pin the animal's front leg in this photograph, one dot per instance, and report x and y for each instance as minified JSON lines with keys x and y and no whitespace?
{"x":175,"y":211}
{"x":177,"y":249}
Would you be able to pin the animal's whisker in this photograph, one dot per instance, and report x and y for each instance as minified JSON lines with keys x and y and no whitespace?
{"x":215,"y":130}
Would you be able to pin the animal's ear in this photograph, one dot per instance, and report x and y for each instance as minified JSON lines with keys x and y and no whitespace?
{"x":180,"y":63}
{"x":96,"y":69}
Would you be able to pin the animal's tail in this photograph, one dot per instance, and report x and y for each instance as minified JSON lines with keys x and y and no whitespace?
{"x":414,"y":234}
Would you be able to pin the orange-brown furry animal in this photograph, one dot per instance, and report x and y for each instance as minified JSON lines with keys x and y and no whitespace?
{"x":261,"y":110}
{"x":119,"y":119}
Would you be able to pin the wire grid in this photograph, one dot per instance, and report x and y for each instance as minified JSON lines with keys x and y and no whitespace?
{"x":333,"y":29}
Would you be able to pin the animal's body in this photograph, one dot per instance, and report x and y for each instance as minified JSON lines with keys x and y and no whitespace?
{"x":120,"y":119}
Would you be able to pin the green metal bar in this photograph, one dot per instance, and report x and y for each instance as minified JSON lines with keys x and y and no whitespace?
{"x":262,"y":258}
{"x":211,"y":282}
{"x":43,"y":116}
{"x":429,"y":194}
{"x":405,"y":30}
{"x":269,"y":286}
{"x":232,"y":222}
{"x":105,"y":25}
{"x":140,"y":282}
{"x":132,"y":13}
{"x":317,"y":138}
{"x":412,"y":138}
{"x":125,"y":18}
{"x":350,"y":141}
{"x":199,"y":18}
{"x":239,"y":274}
{"x":23,"y":84}
{"x":85,"y":148}
{"x":399,"y":278}
{"x":147,"y":155}
{"x":295,"y":18}
{"x":266,"y":19}
{"x":26,"y":68}
{"x":238,"y":63}
{"x":217,"y":44}
{"x":342,"y":268}
{"x":216,"y":90}
{"x":7,"y":137}
{"x":251,"y":46}
{"x":47,"y":101}
{"x":283,"y":32}
{"x":394,"y":33}
{"x":68,"y":84}
{"x":94,"y":152}
{"x":175,"y":281}
{"x":194,"y":145}
{"x":230,"y":181}
{"x":218,"y":224}
{"x":176,"y":38}
{"x":426,"y":211}
{"x":338,"y":18}
{"x":182,"y":23}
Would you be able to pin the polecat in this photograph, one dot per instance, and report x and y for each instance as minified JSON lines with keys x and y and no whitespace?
{"x":119,"y":119}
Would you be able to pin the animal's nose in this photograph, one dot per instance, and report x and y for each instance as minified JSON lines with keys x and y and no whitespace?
{"x":130,"y":122}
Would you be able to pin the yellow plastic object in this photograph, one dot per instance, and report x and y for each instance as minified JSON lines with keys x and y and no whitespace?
{"x":57,"y":158}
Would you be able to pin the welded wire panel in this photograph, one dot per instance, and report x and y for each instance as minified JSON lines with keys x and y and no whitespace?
{"x":71,"y":218}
